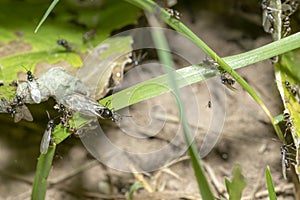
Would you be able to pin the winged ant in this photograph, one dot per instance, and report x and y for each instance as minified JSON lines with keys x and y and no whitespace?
{"x":47,"y":137}
{"x":33,"y":88}
{"x":16,"y":108}
{"x":88,"y":107}
{"x":228,"y":82}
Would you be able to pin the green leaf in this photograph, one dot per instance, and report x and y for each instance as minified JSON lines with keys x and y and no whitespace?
{"x":136,"y":186}
{"x":271,"y":190}
{"x":21,"y":46}
{"x":237,"y":185}
{"x":287,"y":71}
{"x":41,"y":175}
{"x":51,"y":7}
{"x":227,"y":184}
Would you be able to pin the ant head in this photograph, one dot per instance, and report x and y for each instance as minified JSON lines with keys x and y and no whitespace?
{"x":19,"y":98}
{"x":51,"y":122}
{"x":11,"y":111}
{"x":61,"y":42}
{"x":59,"y":107}
{"x":106,"y":113}
{"x":287,"y":83}
{"x":286,"y":115}
{"x":62,"y":107}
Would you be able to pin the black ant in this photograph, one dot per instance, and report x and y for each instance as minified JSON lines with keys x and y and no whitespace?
{"x":64,"y":43}
{"x":209,"y":104}
{"x":66,"y":116}
{"x":294,"y":90}
{"x":289,"y":122}
{"x":16,"y":108}
{"x":286,"y":158}
{"x":228,"y":82}
{"x":174,"y":13}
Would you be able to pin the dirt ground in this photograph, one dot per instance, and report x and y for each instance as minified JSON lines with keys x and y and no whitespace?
{"x":246,"y":137}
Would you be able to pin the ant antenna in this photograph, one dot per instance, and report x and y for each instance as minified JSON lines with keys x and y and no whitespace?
{"x":48,"y":114}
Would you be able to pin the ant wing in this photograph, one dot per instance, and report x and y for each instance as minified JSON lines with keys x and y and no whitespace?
{"x":22,"y":112}
{"x":18,"y":116}
{"x":230,"y":87}
{"x":108,"y":66}
{"x":45,"y":141}
{"x":26,"y":113}
{"x":34,"y":91}
{"x":82,"y":104}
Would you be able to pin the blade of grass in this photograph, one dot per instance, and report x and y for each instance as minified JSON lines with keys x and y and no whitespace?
{"x":45,"y":160}
{"x":47,"y":13}
{"x":153,"y":8}
{"x":195,"y":74}
{"x":41,"y":175}
{"x":237,"y":185}
{"x":168,"y":65}
{"x":287,"y":71}
{"x":262,"y":53}
{"x":227,"y":184}
{"x":136,"y":186}
{"x":271,"y":190}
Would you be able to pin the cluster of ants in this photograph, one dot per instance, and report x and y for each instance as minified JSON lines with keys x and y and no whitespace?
{"x":18,"y":110}
{"x":287,"y":157}
{"x":276,"y":20}
{"x":270,"y":21}
{"x":225,"y":78}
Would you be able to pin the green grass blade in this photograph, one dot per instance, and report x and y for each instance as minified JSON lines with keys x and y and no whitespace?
{"x":193,"y":74}
{"x":271,"y":190}
{"x":267,"y":51}
{"x":168,"y":65}
{"x":41,"y":175}
{"x":287,"y":70}
{"x":227,"y":184}
{"x":237,"y":185}
{"x":132,"y":189}
{"x":47,"y":13}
